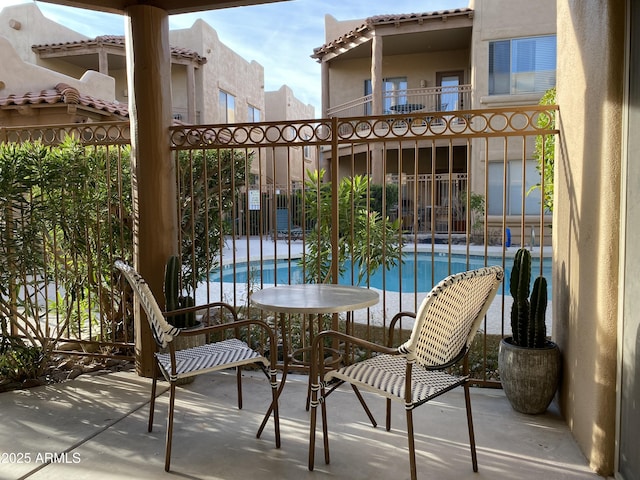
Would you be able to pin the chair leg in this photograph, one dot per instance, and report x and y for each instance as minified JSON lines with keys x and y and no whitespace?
{"x":167,"y":453}
{"x":364,"y":406}
{"x":472,"y":440}
{"x":312,"y":423}
{"x":325,"y":429}
{"x":273,"y":408}
{"x":388,"y":414}
{"x":275,"y":395}
{"x":239,"y":381}
{"x":312,"y":430}
{"x":152,"y":402}
{"x":412,"y":446}
{"x":276,"y":412}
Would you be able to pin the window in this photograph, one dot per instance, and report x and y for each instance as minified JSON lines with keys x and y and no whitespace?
{"x":254,"y":114}
{"x":394,"y":93}
{"x":522,"y":65}
{"x":515,"y":190}
{"x":450,"y":99}
{"x":227,"y":107}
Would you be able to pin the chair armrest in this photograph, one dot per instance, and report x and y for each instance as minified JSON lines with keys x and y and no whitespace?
{"x":395,"y":320}
{"x":188,"y":332}
{"x":205,"y":306}
{"x":317,"y":349}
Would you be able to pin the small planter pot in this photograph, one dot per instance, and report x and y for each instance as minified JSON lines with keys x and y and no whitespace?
{"x":529,"y":376}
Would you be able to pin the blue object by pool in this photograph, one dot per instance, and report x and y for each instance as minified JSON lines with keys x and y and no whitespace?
{"x":400,"y":278}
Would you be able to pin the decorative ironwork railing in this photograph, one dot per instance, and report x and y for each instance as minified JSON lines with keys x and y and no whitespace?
{"x":428,"y":99}
{"x":452,"y":182}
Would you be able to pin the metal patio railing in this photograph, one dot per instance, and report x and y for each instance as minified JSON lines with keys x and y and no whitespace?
{"x":252,"y":206}
{"x":427,"y":99}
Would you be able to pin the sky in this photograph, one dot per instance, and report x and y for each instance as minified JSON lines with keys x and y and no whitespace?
{"x":280,"y":36}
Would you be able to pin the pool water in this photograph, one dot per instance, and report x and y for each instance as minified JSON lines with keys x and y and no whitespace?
{"x":399,"y":278}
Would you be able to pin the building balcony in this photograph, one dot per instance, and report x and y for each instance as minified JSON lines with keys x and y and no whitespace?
{"x":403,"y":102}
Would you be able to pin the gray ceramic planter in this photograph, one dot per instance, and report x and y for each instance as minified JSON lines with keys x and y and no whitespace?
{"x":529,"y":375}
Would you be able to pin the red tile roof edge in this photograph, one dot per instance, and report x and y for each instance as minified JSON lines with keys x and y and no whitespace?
{"x":64,"y":94}
{"x":371,"y":22}
{"x":117,"y":40}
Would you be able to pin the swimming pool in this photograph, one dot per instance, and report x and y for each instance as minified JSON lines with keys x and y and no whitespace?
{"x":400,"y":278}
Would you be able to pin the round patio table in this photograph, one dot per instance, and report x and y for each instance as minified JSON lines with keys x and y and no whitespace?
{"x":309,"y":299}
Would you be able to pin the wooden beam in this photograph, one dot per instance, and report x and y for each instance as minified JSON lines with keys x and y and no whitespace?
{"x":170,"y":6}
{"x":154,"y":174}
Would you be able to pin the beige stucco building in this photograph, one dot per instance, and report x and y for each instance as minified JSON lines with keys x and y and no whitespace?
{"x":445,"y":61}
{"x":42,"y":62}
{"x":283,"y":105}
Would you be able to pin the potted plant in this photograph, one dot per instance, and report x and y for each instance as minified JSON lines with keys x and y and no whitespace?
{"x":528,"y":362}
{"x":174,"y":300}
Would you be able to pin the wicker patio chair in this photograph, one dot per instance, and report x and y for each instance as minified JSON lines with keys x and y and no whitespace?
{"x":415,"y":372}
{"x":210,"y":357}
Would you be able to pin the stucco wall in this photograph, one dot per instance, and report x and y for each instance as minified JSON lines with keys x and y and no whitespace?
{"x":586,"y":219}
{"x":347,"y":77}
{"x":501,"y":20}
{"x":334,"y":28}
{"x":224,"y":70}
{"x":282,"y":104}
{"x":19,"y":77}
{"x":24,"y":25}
{"x":33,"y":29}
{"x":287,"y":163}
{"x":20,"y":74}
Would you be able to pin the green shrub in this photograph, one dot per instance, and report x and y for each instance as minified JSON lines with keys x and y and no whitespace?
{"x":20,"y":361}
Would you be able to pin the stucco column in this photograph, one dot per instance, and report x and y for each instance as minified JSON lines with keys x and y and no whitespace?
{"x":324,"y":72}
{"x":103,"y":62}
{"x":191,"y":94}
{"x":377,"y":102}
{"x":586,"y":220}
{"x":154,"y":188}
{"x":376,"y":76}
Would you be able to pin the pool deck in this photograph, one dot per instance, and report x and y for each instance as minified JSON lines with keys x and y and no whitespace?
{"x":253,"y":248}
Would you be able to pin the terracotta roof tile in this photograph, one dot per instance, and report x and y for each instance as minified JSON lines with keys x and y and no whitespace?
{"x":64,"y":94}
{"x":415,"y":16}
{"x":371,"y":22}
{"x":115,"y":40}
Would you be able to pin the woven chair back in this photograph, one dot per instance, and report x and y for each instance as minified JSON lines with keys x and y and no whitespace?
{"x":450,"y":316}
{"x":163,"y":332}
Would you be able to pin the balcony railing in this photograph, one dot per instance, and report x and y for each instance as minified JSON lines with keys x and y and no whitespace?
{"x":239,"y":233}
{"x":431,"y":99}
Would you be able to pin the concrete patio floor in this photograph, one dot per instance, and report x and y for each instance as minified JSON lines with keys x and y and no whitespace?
{"x":96,"y":427}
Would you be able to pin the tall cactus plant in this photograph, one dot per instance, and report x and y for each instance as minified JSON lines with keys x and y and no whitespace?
{"x":527,"y":313}
{"x":172,"y":295}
